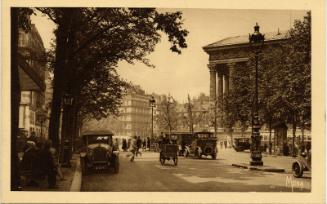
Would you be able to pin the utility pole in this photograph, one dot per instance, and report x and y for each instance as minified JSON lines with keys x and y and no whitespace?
{"x":189,"y":109}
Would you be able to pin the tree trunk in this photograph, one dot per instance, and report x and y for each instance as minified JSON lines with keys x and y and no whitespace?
{"x":302,"y":131}
{"x":15,"y":100}
{"x":63,"y":45}
{"x":270,"y":143}
{"x":58,"y":82}
{"x":294,"y":134}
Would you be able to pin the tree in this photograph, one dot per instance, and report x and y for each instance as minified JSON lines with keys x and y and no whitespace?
{"x":239,"y":100}
{"x":284,"y":82}
{"x":296,"y":92}
{"x":190,"y":116}
{"x":112,"y":34}
{"x":167,"y":117}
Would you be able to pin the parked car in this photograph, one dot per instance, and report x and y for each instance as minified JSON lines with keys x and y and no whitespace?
{"x":204,"y":143}
{"x":98,"y":152}
{"x":303,"y":162}
{"x":241,"y":143}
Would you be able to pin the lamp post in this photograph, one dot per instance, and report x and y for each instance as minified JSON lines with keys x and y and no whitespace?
{"x":152,"y":103}
{"x":169,"y":101}
{"x":256,"y":43}
{"x":66,"y":138}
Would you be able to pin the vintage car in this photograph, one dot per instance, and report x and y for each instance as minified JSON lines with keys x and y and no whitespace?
{"x":204,"y":143}
{"x":98,"y":152}
{"x":302,"y":163}
{"x":241,"y":143}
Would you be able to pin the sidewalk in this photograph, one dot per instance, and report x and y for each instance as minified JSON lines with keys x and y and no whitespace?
{"x":62,"y":185}
{"x":230,"y":156}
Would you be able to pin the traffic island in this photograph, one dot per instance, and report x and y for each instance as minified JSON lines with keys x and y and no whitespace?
{"x":259,"y":168}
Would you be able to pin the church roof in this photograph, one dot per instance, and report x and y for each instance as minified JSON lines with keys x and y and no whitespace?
{"x":243,"y":39}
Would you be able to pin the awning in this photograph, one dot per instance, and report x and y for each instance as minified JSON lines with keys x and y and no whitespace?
{"x":30,"y":79}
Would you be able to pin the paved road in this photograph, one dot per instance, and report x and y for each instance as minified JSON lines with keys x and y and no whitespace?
{"x":147,"y":174}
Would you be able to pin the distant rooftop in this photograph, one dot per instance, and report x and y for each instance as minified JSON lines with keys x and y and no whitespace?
{"x":242,"y":39}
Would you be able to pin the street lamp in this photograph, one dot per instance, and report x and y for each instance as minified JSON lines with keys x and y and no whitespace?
{"x":169,"y":101}
{"x":256,"y":43}
{"x":152,"y":103}
{"x":66,"y":140}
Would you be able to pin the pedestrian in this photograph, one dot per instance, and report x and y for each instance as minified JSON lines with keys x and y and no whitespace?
{"x":133,"y":148}
{"x":144,"y":144}
{"x":28,"y":164}
{"x":57,"y":165}
{"x":48,"y":164}
{"x":32,"y":137}
{"x":148,"y":143}
{"x":124,"y":146}
{"x":139,"y":145}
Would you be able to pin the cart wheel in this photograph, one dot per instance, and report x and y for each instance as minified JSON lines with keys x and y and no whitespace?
{"x":162,"y":161}
{"x":297,"y":170}
{"x":175,"y":161}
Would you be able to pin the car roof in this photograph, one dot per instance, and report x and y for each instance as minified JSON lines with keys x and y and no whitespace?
{"x":203,"y":132}
{"x":98,"y":132}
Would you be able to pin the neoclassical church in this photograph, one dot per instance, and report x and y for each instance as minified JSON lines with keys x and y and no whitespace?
{"x":227,"y":55}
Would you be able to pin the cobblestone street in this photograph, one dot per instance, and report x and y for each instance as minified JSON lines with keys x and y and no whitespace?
{"x":147,"y":174}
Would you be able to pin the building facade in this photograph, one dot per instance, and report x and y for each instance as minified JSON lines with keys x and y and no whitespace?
{"x":134,"y":119}
{"x":135,"y":114}
{"x":32,"y":75}
{"x":227,"y":55}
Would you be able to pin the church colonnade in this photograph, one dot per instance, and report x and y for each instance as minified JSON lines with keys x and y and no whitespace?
{"x":221,"y":74}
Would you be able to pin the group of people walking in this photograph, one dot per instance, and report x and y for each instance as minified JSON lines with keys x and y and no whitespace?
{"x":140,"y":143}
{"x":134,"y":145}
{"x":40,"y":161}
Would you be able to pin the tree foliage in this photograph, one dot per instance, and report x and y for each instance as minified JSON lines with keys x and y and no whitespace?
{"x":167,"y":116}
{"x":92,"y":41}
{"x":284,"y":81}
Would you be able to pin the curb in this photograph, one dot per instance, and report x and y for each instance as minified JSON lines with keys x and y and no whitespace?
{"x":260,"y":168}
{"x":77,"y":179}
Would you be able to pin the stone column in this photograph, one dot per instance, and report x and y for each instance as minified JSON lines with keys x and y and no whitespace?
{"x":212,"y":70}
{"x":220,"y":98}
{"x":226,"y":83}
{"x":231,"y":69}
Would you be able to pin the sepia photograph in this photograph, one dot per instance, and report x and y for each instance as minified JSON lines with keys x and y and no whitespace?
{"x":140,"y":99}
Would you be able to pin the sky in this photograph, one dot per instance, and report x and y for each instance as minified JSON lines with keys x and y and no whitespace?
{"x":187,"y":73}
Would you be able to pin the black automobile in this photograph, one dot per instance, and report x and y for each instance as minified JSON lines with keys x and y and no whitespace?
{"x":204,"y":143}
{"x":98,"y":152}
{"x":241,"y":143}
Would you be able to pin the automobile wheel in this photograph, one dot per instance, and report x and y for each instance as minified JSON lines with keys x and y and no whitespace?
{"x":214,"y":156}
{"x":175,"y":161}
{"x":116,"y":165}
{"x":297,"y":170}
